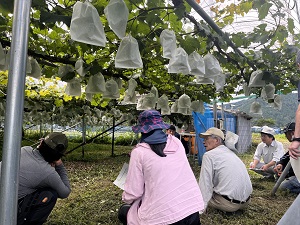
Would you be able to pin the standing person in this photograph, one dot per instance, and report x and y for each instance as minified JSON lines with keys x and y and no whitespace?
{"x":42,"y":179}
{"x":290,"y":183}
{"x":270,"y":151}
{"x":160,"y":186}
{"x":224,"y":180}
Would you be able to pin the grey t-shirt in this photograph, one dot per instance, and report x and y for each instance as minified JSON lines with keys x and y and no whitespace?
{"x":36,"y":173}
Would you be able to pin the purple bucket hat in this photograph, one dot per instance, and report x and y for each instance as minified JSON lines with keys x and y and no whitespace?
{"x":149,"y":120}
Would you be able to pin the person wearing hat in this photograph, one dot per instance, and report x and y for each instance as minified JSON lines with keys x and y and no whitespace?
{"x":42,"y":179}
{"x":160,"y":186}
{"x":270,"y":151}
{"x":290,"y":183}
{"x":224,"y":180}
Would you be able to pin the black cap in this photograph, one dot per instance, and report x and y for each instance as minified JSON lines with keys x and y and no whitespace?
{"x":289,"y":127}
{"x":55,"y":139}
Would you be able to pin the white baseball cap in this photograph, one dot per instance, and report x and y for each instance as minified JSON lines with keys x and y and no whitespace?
{"x":267,"y":130}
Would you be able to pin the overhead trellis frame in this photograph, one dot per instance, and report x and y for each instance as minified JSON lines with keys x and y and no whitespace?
{"x":215,"y":27}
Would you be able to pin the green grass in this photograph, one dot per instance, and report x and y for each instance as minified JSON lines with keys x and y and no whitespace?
{"x":95,"y":199}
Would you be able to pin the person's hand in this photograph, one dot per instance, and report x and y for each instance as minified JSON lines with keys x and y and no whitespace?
{"x":265,"y":167}
{"x":252,"y":166}
{"x":56,"y":163}
{"x":278,"y":169}
{"x":294,"y":152}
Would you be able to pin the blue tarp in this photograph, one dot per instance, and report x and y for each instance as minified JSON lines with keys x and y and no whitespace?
{"x":204,"y":121}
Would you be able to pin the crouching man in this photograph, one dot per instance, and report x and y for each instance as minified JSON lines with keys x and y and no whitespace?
{"x":224,"y":180}
{"x":42,"y":179}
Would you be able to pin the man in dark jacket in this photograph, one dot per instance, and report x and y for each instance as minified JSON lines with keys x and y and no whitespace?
{"x":290,"y":183}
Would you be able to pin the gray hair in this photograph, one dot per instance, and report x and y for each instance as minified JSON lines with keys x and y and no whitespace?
{"x":220,"y":140}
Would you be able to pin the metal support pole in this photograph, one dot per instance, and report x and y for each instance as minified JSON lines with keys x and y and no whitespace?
{"x":83,"y":134}
{"x":215,"y":114}
{"x":14,"y":114}
{"x":113,"y":138}
{"x":281,"y":178}
{"x":291,"y":216}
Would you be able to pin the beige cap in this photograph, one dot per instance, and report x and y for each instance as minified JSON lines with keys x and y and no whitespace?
{"x":213,"y":131}
{"x":267,"y":130}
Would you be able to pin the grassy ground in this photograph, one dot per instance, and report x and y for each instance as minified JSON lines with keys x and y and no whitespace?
{"x":95,"y":199}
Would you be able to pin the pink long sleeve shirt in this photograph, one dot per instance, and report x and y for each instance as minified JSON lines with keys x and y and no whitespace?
{"x":163,"y":190}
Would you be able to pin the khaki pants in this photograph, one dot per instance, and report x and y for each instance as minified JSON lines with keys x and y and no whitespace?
{"x":218,"y":202}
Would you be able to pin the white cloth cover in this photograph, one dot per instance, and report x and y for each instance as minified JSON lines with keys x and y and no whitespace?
{"x":6,"y":64}
{"x":128,"y":54}
{"x":168,"y":43}
{"x":63,"y":72}
{"x":96,"y":84}
{"x":163,"y":105}
{"x":277,"y":102}
{"x":197,"y":106}
{"x":230,"y":140}
{"x":184,"y":104}
{"x":115,"y":112}
{"x":117,"y":13}
{"x":256,"y":79}
{"x":129,"y":99}
{"x":197,"y":64}
{"x":204,"y":80}
{"x":73,"y":88}
{"x":146,"y":102}
{"x":174,"y":107}
{"x":247,"y":90}
{"x":219,"y":81}
{"x":2,"y":56}
{"x":270,"y":91}
{"x":255,"y":109}
{"x":130,"y":96}
{"x":119,"y":82}
{"x":111,"y":90}
{"x":212,"y":66}
{"x":79,"y":67}
{"x":155,"y":92}
{"x":89,"y":96}
{"x":86,"y":26}
{"x":179,"y":62}
{"x":98,"y":113}
{"x":28,"y":65}
{"x":35,"y":71}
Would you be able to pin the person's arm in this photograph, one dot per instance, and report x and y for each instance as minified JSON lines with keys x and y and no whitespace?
{"x":293,"y":149}
{"x":206,"y":179}
{"x":134,"y":184}
{"x":256,"y":157}
{"x":59,"y":180}
{"x":266,"y":166}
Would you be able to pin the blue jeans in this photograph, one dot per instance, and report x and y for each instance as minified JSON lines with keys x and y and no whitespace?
{"x":291,"y":184}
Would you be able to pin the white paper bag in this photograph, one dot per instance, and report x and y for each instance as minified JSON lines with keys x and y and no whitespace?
{"x":168,"y":42}
{"x":128,"y":54}
{"x":117,"y":13}
{"x":197,"y":64}
{"x":86,"y":26}
{"x":179,"y":62}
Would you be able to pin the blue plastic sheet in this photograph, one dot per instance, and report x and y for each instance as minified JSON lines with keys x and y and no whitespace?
{"x":204,"y":121}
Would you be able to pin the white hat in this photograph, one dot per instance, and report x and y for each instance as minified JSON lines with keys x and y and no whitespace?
{"x":267,"y":130}
{"x":213,"y":131}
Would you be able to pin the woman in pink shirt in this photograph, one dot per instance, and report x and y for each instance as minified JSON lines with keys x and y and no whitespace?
{"x":160,"y":187}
